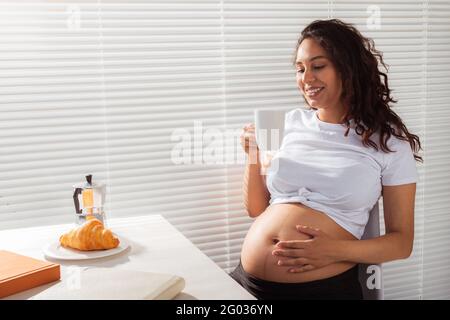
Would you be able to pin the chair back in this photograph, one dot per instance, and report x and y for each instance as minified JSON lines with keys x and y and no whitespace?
{"x":371,"y":276}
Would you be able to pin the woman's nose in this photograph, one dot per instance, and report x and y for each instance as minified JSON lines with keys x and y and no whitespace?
{"x":308,"y":77}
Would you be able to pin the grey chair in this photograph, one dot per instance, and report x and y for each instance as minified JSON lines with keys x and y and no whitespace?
{"x":371,"y":276}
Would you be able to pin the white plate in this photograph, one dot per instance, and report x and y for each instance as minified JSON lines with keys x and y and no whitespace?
{"x":56,"y":251}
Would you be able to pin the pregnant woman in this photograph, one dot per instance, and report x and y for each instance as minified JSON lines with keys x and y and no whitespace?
{"x":312,"y":201}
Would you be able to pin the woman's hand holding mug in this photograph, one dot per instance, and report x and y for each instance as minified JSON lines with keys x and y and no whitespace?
{"x":248,"y":143}
{"x":250,"y":146}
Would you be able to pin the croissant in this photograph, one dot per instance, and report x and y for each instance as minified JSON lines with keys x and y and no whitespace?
{"x":92,"y":235}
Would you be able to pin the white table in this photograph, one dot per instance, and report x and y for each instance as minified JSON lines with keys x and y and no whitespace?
{"x":156,"y":246}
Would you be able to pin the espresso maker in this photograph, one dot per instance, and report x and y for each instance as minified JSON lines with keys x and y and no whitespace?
{"x":89,"y":199}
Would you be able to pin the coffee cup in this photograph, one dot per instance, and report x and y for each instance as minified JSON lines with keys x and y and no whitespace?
{"x":269,"y":128}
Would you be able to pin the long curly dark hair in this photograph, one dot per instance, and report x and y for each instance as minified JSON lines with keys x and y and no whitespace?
{"x":364,"y":87}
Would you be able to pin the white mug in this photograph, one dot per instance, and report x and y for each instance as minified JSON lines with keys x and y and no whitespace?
{"x":269,"y":128}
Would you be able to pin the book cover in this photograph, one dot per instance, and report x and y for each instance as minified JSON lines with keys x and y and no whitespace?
{"x":94,"y":283}
{"x":19,"y":273}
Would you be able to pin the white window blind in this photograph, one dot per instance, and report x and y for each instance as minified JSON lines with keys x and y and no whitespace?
{"x":436,"y":182}
{"x":52,"y":120}
{"x":107,"y":87}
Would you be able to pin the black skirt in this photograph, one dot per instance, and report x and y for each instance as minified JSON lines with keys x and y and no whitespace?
{"x":344,"y":286}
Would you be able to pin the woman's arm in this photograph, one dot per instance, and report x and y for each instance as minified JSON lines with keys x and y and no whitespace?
{"x":256,"y":195}
{"x":397,"y":243}
{"x":321,"y":249}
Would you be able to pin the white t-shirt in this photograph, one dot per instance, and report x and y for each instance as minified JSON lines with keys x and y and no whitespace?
{"x":337,"y":175}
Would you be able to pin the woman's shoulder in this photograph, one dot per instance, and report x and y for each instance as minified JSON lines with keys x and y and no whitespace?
{"x":392,"y":142}
{"x":299,"y":114}
{"x":397,"y":144}
{"x":398,"y":149}
{"x":298,"y":118}
{"x":399,"y":165}
{"x":300,"y":111}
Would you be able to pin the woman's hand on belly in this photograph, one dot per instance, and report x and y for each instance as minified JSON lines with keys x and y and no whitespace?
{"x":277,"y":224}
{"x":305,"y":255}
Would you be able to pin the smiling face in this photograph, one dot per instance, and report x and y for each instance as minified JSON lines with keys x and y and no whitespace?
{"x":317,"y":77}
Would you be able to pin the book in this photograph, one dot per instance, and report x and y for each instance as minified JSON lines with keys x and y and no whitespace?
{"x":19,"y":273}
{"x":92,"y":283}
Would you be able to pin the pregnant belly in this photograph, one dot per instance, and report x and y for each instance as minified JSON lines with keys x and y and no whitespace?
{"x":277,"y":223}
